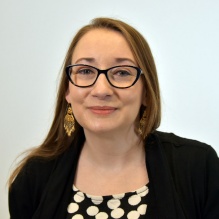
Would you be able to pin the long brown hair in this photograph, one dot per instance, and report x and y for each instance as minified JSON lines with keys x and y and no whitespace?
{"x":57,"y":141}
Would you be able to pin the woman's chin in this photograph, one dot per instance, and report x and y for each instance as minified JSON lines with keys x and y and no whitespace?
{"x":101,"y":130}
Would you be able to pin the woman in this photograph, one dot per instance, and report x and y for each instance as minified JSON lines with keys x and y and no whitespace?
{"x":103,"y":157}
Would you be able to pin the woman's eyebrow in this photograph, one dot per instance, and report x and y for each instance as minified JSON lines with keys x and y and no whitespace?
{"x":119,"y":60}
{"x":93,"y":60}
{"x":86,"y":59}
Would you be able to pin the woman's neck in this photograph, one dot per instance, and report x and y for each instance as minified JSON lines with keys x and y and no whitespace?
{"x":116,"y":149}
{"x":117,"y":161}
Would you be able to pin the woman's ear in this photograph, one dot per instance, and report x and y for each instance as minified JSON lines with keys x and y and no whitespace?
{"x":67,"y":95}
{"x":144,"y":101}
{"x":144,"y":97}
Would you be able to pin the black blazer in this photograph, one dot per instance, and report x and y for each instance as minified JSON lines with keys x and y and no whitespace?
{"x":183,"y":174}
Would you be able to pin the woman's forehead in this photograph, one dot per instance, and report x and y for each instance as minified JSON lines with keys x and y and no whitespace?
{"x":102,"y":43}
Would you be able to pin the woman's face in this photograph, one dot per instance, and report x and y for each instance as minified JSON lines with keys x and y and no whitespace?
{"x":102,"y":108}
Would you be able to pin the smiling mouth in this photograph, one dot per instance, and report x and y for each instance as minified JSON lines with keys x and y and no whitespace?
{"x":102,"y":110}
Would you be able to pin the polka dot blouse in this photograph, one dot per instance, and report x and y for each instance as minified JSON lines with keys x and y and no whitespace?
{"x":131,"y":205}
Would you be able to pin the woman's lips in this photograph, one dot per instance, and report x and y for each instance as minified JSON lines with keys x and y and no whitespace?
{"x":102,"y":110}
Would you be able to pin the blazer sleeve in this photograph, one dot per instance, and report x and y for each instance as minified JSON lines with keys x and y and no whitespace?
{"x":211,"y":210}
{"x":27,"y":189}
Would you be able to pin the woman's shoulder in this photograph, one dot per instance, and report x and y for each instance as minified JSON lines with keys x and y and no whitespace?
{"x":184,"y":152}
{"x":171,"y":140}
{"x":27,"y":188}
{"x":36,"y":171}
{"x":38,"y":166}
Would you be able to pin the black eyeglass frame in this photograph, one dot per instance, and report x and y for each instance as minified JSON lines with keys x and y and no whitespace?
{"x":67,"y":70}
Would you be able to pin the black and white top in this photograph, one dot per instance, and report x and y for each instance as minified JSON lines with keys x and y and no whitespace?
{"x":130,"y":205}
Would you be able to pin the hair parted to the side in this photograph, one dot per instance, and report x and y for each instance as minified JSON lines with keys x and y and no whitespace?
{"x":57,"y":141}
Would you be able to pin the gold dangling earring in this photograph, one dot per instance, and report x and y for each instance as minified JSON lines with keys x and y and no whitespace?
{"x":142,"y":124}
{"x":69,"y":121}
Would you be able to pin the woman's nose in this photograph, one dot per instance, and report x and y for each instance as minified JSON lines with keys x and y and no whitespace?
{"x":102,"y":87}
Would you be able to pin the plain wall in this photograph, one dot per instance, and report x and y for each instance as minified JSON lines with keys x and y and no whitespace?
{"x":34,"y":38}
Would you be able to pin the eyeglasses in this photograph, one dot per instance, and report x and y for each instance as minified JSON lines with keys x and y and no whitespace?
{"x":123,"y":76}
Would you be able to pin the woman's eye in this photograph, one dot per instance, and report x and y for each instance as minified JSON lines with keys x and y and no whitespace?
{"x":122,"y":73}
{"x":85,"y":71}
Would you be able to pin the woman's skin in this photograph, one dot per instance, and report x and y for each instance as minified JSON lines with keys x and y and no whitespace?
{"x":112,"y":160}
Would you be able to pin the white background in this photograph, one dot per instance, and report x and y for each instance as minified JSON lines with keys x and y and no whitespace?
{"x":34,"y":37}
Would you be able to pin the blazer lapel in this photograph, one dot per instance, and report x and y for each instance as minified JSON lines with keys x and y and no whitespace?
{"x":58,"y":192}
{"x":167,"y":204}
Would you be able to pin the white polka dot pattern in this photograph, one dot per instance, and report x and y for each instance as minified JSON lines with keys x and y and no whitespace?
{"x":113,"y":203}
{"x":77,"y":216}
{"x":79,"y":197}
{"x":142,"y":209}
{"x":119,"y":196}
{"x":74,"y":188}
{"x":131,"y":205}
{"x":117,"y":213}
{"x":98,"y":200}
{"x":92,"y":210}
{"x":102,"y":215}
{"x":73,"y":207}
{"x":133,"y":215}
{"x":134,"y":200}
{"x":143,"y":191}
